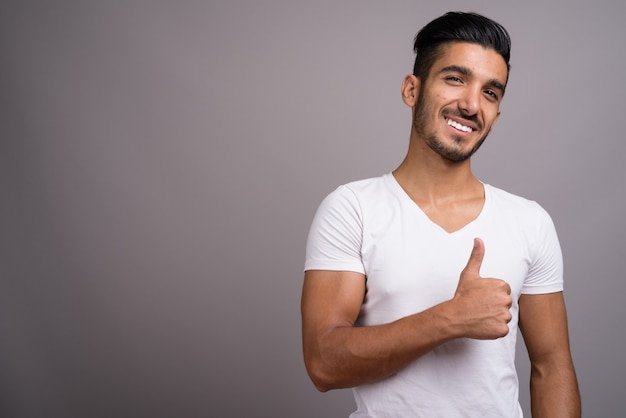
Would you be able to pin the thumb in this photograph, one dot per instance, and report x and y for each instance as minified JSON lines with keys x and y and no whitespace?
{"x":476,"y":259}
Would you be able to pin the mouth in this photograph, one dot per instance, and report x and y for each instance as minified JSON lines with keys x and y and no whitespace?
{"x":459,"y":126}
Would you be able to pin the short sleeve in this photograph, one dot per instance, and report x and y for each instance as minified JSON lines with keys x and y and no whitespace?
{"x":545,"y":274}
{"x":335,"y":238}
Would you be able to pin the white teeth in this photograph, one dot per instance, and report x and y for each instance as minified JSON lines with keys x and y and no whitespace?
{"x":458,"y":126}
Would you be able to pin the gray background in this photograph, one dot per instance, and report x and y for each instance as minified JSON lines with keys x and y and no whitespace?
{"x":160,"y":163}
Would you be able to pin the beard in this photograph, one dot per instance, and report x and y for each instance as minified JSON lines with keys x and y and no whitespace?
{"x":451,"y":153}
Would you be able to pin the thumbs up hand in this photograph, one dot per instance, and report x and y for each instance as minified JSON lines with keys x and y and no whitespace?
{"x":481,"y":304}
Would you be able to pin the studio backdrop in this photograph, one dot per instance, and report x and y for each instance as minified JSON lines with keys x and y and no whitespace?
{"x":161,"y":162}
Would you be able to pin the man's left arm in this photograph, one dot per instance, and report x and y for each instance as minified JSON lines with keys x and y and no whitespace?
{"x":553,"y":385}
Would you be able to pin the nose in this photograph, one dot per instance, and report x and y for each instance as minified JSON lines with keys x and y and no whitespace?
{"x":469,"y":101}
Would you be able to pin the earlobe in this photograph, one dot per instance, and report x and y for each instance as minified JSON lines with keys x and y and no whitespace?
{"x":410,"y":89}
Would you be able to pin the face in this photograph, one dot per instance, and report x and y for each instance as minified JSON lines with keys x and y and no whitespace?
{"x":460,"y":100}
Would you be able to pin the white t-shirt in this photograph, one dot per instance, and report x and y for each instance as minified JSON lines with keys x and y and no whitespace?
{"x":411,"y":264}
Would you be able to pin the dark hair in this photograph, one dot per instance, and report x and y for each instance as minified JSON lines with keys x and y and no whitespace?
{"x":458,"y":27}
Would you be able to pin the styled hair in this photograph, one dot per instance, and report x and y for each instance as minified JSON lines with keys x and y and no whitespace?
{"x":458,"y":27}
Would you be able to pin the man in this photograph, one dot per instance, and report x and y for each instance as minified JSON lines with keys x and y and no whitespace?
{"x":416,"y":281}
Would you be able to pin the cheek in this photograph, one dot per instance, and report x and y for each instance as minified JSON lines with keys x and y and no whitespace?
{"x":490,"y":111}
{"x":493,"y":117}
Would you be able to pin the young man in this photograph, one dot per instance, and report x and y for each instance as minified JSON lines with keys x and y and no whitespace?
{"x":416,"y":281}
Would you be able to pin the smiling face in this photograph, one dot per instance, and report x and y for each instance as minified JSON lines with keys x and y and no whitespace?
{"x":459,"y":102}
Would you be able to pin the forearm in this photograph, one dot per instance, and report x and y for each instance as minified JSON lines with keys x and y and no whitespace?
{"x":554,"y":390}
{"x":347,"y":356}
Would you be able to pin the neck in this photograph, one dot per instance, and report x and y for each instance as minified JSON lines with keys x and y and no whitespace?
{"x":427,"y":177}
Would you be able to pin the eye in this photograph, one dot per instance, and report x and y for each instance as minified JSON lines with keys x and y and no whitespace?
{"x":454,"y":79}
{"x":492,"y":94}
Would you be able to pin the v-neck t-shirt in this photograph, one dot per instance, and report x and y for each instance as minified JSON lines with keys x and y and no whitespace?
{"x":410,"y":264}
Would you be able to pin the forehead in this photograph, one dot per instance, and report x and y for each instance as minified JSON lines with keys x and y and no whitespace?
{"x":482,"y":61}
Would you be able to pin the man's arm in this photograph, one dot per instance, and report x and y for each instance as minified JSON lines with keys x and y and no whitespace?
{"x":339,"y":354}
{"x":553,"y":385}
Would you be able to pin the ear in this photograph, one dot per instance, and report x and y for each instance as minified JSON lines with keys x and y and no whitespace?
{"x":410,"y":90}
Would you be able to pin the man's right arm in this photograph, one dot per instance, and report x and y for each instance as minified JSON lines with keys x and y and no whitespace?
{"x":339,"y":354}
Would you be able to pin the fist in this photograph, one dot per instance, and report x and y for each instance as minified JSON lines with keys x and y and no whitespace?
{"x":482,"y":304}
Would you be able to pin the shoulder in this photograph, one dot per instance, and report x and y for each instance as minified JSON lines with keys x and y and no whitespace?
{"x":357,"y":193}
{"x":515,"y":204}
{"x":365,"y":187}
{"x":527,"y":217}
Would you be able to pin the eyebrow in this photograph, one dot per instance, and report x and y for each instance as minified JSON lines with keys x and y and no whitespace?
{"x":494,"y":82}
